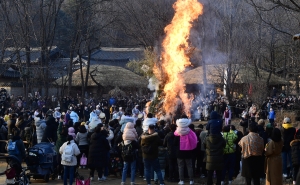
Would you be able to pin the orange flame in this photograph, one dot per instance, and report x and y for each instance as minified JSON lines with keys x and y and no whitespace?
{"x":174,"y":56}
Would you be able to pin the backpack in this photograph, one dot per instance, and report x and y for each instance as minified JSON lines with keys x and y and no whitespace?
{"x":128,"y":154}
{"x":12,"y":148}
{"x":68,"y":153}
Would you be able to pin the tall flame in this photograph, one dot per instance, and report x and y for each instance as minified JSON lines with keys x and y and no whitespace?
{"x":174,"y":55}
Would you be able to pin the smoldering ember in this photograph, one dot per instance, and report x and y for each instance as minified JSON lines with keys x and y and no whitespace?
{"x":170,"y":91}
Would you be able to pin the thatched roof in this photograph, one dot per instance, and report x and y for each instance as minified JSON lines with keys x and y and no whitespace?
{"x":215,"y":74}
{"x":107,"y":76}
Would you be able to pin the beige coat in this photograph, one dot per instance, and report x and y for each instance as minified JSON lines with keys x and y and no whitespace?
{"x":273,"y":163}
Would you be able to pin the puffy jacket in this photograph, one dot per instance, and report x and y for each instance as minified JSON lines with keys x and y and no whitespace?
{"x":125,"y":119}
{"x":288,"y":136}
{"x":75,"y":150}
{"x":162,"y":157}
{"x":40,"y":129}
{"x":230,"y":138}
{"x":214,"y":147}
{"x":147,"y":122}
{"x":295,"y":145}
{"x":154,"y":141}
{"x":214,"y":125}
{"x":130,"y":132}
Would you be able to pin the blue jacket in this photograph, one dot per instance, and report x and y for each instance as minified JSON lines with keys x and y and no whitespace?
{"x":272,"y":114}
{"x":214,"y":125}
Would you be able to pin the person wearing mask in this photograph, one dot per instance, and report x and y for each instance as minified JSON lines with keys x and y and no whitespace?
{"x":229,"y":154}
{"x":288,"y":133}
{"x":273,"y":159}
{"x":150,"y":142}
{"x":98,"y":149}
{"x":69,"y":150}
{"x":252,"y":155}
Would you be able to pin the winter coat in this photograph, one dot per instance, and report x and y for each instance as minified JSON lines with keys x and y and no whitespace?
{"x":288,"y":136}
{"x":75,"y":150}
{"x":214,"y":147}
{"x":214,"y":125}
{"x":169,"y":143}
{"x":40,"y":129}
{"x":147,"y":122}
{"x":81,"y":138}
{"x":162,"y":157}
{"x":187,"y":142}
{"x":295,"y":145}
{"x":182,"y":154}
{"x":61,"y":137}
{"x":130,"y":132}
{"x":152,"y":140}
{"x":230,"y":138}
{"x":183,"y":126}
{"x":125,"y":119}
{"x":50,"y":135}
{"x":74,"y":116}
{"x":202,"y":137}
{"x":273,"y":163}
{"x":95,"y":121}
{"x":11,"y":123}
{"x":98,"y":150}
{"x":262,"y":133}
{"x":20,"y":146}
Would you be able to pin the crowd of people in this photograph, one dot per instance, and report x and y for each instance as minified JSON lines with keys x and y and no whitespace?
{"x":157,"y":149}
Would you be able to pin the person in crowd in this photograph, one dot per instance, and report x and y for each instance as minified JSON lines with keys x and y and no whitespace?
{"x":198,"y":157}
{"x":214,"y":125}
{"x":138,"y":127}
{"x":261,"y":130}
{"x":11,"y":123}
{"x":40,"y":125}
{"x":162,"y":163}
{"x":3,"y":135}
{"x":237,"y":150}
{"x":273,"y":159}
{"x":185,"y":142}
{"x":202,"y":137}
{"x":150,"y":120}
{"x":21,"y":154}
{"x":171,"y":153}
{"x":229,"y":154}
{"x":272,"y":116}
{"x":71,"y":132}
{"x":295,"y":148}
{"x":244,"y":121}
{"x":82,"y":140}
{"x":288,"y":133}
{"x":227,"y":115}
{"x":214,"y":145}
{"x":125,"y":119}
{"x":86,"y":114}
{"x":149,"y":143}
{"x":73,"y":115}
{"x":56,"y":113}
{"x":67,"y":117}
{"x":99,"y":146}
{"x":49,"y":133}
{"x":252,"y":155}
{"x":62,"y":133}
{"x":129,"y":155}
{"x":69,"y":165}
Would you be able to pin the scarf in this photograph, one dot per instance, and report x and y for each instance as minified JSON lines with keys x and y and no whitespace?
{"x":287,"y":125}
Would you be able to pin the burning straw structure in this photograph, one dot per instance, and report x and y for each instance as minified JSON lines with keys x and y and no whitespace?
{"x":175,"y":57}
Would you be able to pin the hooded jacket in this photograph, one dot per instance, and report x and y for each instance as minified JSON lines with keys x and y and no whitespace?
{"x":214,"y":125}
{"x":147,"y":122}
{"x":74,"y":116}
{"x":214,"y":147}
{"x":40,"y":128}
{"x":183,"y":126}
{"x":125,"y":119}
{"x":75,"y":150}
{"x":50,"y":134}
{"x":130,"y":132}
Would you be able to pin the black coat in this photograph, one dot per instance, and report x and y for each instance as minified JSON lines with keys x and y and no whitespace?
{"x":182,"y":154}
{"x":98,"y":150}
{"x":169,"y":143}
{"x":214,"y":147}
{"x":295,"y":145}
{"x":50,"y":134}
{"x":288,"y":136}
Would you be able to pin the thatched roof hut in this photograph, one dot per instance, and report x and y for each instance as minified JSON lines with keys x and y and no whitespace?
{"x":107,"y":76}
{"x":215,"y":74}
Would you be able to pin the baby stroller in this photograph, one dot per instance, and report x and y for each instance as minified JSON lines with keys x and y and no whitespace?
{"x":41,"y":161}
{"x":15,"y":173}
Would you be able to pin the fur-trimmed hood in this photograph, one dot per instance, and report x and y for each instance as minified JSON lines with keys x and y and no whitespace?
{"x":295,"y":142}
